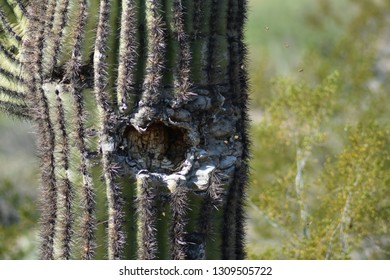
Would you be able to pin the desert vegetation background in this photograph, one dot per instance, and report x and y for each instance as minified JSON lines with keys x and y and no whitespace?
{"x":319,"y":187}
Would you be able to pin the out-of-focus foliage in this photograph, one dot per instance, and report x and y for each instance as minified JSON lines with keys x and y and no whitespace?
{"x":354,"y":203}
{"x":320,"y":168}
{"x":18,"y":191}
{"x":300,"y":110}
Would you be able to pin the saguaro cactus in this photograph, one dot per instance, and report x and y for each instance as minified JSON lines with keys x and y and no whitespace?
{"x":140,"y":111}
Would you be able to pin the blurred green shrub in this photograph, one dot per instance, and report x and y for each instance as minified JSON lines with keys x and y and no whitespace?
{"x":18,"y":217}
{"x":320,"y":149}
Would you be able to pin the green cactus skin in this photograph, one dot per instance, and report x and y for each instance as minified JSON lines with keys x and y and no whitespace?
{"x":140,"y":109}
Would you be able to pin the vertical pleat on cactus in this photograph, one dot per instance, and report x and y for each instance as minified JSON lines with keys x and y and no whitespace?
{"x":179,"y":208}
{"x":33,"y":62}
{"x":127,"y":57}
{"x":65,"y":187}
{"x":147,"y":218}
{"x":183,"y":82}
{"x":76,"y":87}
{"x":107,"y":144}
{"x":140,"y":109}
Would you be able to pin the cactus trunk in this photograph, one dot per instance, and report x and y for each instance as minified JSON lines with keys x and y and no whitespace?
{"x":141,"y":114}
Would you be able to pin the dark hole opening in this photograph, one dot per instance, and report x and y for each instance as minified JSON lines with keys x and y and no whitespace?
{"x":159,"y":148}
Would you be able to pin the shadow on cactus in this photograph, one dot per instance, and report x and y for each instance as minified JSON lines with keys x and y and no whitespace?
{"x":141,"y":123}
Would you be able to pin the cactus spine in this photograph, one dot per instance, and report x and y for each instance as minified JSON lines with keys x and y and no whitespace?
{"x":141,"y":123}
